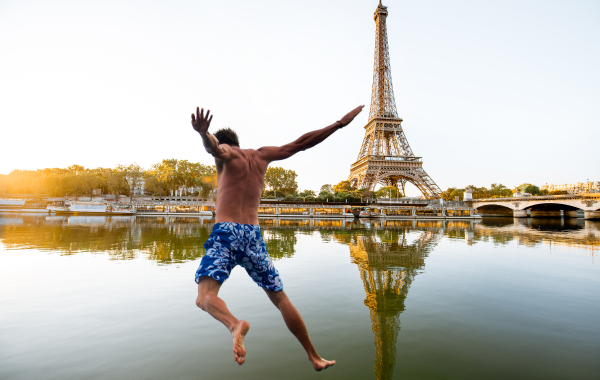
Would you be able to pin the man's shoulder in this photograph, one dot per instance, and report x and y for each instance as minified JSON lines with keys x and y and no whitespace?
{"x":251,"y":153}
{"x":244,"y":154}
{"x":255,"y":155}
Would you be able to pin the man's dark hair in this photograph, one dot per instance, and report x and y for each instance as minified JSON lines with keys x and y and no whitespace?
{"x":227,"y":136}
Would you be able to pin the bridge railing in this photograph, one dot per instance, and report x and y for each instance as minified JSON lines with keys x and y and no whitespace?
{"x":540,"y":197}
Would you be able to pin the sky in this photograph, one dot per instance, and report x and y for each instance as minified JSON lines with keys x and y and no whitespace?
{"x":490,"y":91}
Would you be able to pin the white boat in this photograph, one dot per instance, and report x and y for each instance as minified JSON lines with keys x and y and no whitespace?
{"x":348,"y":213}
{"x":180,"y":208}
{"x":57,"y":207}
{"x":368,"y":213}
{"x":11,"y":204}
{"x":22,"y":205}
{"x":73,"y":207}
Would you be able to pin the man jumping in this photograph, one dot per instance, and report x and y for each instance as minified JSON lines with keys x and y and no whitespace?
{"x":236,"y":238}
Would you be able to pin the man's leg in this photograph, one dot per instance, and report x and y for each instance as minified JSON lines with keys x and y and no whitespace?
{"x":295,"y":324}
{"x":208,"y":300}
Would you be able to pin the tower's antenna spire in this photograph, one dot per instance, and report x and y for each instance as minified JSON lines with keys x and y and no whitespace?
{"x":382,"y":95}
{"x":385,"y":156}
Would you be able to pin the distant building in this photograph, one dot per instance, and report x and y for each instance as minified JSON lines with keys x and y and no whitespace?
{"x":575,"y":188}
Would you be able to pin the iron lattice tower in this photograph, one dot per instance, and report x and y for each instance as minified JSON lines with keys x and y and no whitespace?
{"x":385,"y":156}
{"x":387,"y":269}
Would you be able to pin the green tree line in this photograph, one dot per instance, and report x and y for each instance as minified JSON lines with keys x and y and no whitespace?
{"x":197,"y":179}
{"x":159,"y":179}
{"x":281,"y":183}
{"x":496,"y":190}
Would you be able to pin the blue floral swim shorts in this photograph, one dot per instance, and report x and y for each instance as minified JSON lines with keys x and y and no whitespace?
{"x":232,"y":244}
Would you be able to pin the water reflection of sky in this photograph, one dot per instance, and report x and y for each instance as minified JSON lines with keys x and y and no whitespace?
{"x":454,"y":297}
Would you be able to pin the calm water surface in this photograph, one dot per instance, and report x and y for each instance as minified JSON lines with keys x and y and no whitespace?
{"x":114,"y":298}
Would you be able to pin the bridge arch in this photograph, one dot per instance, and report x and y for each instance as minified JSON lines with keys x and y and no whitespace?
{"x":543,"y":205}
{"x":507,"y":205}
{"x":398,"y":179}
{"x":543,"y":209}
{"x":496,"y":209}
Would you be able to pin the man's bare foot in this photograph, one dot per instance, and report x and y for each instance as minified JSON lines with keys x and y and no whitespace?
{"x":239,"y":332}
{"x":321,"y":364}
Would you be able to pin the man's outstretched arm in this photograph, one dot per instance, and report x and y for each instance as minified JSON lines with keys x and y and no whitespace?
{"x":211,"y":144}
{"x":308,"y":140}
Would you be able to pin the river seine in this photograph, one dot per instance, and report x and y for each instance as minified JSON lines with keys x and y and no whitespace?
{"x":93,"y":297}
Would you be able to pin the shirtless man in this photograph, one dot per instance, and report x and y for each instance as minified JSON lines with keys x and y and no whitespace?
{"x":236,"y":238}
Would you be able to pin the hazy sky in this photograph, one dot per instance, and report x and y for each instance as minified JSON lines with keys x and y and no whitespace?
{"x":490,"y":91}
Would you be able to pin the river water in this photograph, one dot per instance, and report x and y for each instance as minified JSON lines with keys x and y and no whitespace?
{"x":114,"y":298}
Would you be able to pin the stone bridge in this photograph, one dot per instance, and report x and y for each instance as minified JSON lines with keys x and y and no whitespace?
{"x":550,"y":206}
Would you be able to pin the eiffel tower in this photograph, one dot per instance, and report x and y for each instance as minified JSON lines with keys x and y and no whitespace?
{"x":385,"y":156}
{"x":387,"y":268}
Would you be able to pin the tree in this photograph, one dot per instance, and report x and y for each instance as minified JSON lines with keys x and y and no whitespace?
{"x":278,"y":178}
{"x":116,"y":182}
{"x":387,"y":191}
{"x":343,"y":186}
{"x":451,"y":193}
{"x":447,"y":194}
{"x":90,"y":181}
{"x":163,"y":175}
{"x":134,"y":175}
{"x":74,"y":179}
{"x":186,"y":173}
{"x":206,"y":184}
{"x":3,"y":183}
{"x":460,"y":193}
{"x":499,"y":190}
{"x":529,"y":188}
{"x":326,"y":196}
{"x":151,"y":183}
{"x":328,"y":188}
{"x":205,"y":179}
{"x":307,"y":193}
{"x":532,"y":189}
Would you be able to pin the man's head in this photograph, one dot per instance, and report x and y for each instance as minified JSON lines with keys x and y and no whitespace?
{"x":227,"y":136}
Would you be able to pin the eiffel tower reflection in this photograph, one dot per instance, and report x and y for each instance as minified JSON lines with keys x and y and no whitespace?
{"x":388,"y":264}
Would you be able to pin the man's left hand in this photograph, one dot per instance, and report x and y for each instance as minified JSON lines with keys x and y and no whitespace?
{"x":200,"y":122}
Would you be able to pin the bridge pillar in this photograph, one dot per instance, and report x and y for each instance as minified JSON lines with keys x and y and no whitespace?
{"x":592,"y":215}
{"x":570,"y":214}
{"x":521,"y":213}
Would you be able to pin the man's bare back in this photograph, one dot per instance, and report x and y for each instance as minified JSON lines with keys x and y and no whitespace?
{"x":240,"y":183}
{"x":240,"y":177}
{"x":241,"y":172}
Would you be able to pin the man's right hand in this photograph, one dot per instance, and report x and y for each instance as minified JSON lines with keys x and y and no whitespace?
{"x":199,"y":122}
{"x":350,"y":116}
